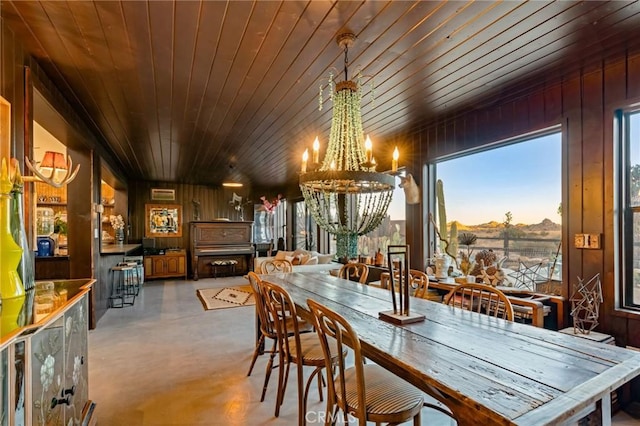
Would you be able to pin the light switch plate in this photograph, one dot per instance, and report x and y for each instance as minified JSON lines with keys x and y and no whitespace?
{"x":587,"y":241}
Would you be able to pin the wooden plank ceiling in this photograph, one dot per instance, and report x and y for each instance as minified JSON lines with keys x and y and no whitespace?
{"x":179,"y":91}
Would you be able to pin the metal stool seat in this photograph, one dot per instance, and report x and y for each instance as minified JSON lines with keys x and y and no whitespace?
{"x":123,"y":286}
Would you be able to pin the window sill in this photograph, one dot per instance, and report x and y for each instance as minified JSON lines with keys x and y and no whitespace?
{"x":626,"y":313}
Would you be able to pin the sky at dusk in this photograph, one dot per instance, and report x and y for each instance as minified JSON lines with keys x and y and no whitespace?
{"x":523,"y":178}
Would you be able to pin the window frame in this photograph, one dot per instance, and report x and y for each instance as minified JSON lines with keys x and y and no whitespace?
{"x":625,"y":243}
{"x":431,"y":176}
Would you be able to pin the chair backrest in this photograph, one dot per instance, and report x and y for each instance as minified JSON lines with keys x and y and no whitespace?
{"x":481,"y":298}
{"x":274,"y":266}
{"x":354,"y":272}
{"x":331,"y":326}
{"x":280,"y":308}
{"x":267,"y":326}
{"x":419,"y":282}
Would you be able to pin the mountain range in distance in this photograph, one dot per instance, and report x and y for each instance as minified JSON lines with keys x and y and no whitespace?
{"x":546,"y":225}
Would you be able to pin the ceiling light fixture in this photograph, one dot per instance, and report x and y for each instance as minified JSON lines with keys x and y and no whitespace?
{"x":232,"y":184}
{"x":344,"y":193}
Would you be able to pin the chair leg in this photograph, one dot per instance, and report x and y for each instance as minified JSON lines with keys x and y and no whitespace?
{"x":256,"y":352}
{"x":320,"y":382}
{"x":318,"y":371}
{"x":416,"y":420}
{"x":302,"y":396}
{"x":267,"y":373}
{"x":283,"y":376}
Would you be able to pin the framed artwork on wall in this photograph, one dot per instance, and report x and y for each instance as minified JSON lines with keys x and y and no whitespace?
{"x":163,"y":220}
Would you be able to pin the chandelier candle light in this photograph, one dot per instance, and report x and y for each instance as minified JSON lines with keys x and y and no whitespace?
{"x":344,"y":193}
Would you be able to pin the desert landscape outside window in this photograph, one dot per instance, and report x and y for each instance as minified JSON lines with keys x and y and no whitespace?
{"x":510,"y":198}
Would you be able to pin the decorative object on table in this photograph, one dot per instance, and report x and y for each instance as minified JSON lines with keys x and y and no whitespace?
{"x":488,"y":269}
{"x":117,"y":223}
{"x":344,"y":193}
{"x":226,"y":297}
{"x":585,"y":305}
{"x":10,"y":252}
{"x":441,"y":262}
{"x":398,"y":261}
{"x":528,"y":277}
{"x":45,"y":246}
{"x":467,"y":239}
{"x":484,"y":259}
{"x":25,"y":267}
{"x":379,"y":261}
{"x":163,"y":220}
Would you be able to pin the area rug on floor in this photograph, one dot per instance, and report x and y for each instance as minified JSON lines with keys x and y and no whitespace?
{"x":226,"y":297}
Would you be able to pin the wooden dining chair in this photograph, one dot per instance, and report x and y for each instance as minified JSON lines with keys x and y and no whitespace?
{"x":275,"y":266}
{"x":267,"y":329}
{"x":481,"y":298}
{"x":354,"y":272}
{"x":302,"y":349}
{"x":367,"y":391}
{"x":419,"y":282}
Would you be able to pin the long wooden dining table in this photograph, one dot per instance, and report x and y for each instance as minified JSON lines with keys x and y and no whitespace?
{"x":486,"y":370}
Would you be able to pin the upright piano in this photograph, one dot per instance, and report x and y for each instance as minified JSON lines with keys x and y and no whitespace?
{"x":220,"y":240}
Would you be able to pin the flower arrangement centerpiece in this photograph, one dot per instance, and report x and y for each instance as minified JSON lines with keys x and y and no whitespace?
{"x":117,"y":223}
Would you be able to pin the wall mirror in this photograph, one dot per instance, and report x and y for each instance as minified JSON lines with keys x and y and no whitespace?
{"x":163,"y":220}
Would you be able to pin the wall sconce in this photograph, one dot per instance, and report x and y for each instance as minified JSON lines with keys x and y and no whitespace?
{"x":53,"y":164}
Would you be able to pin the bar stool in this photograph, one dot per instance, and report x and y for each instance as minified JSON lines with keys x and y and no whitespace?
{"x":122,"y":286}
{"x":136,"y":275}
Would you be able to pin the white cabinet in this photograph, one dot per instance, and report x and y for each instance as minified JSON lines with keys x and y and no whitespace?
{"x":45,"y":365}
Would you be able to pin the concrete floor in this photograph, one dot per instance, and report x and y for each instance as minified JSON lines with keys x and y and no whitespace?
{"x":167,"y":361}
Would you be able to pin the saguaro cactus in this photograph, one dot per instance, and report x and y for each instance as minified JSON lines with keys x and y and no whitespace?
{"x":447,"y":245}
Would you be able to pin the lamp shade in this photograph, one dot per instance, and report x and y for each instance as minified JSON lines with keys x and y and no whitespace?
{"x":54,"y":160}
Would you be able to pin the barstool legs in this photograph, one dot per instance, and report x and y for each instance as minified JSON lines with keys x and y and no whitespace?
{"x":123,"y":287}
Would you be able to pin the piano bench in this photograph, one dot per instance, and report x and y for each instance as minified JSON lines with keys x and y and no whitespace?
{"x":230,"y":265}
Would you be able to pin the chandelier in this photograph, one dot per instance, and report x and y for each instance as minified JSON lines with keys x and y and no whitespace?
{"x":344,"y":194}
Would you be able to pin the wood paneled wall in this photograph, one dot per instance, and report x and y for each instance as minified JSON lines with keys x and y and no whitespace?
{"x":214,"y":203}
{"x":583,"y":104}
{"x":63,"y":121}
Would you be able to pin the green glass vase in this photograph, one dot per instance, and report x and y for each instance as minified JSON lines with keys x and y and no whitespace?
{"x":26,"y":266}
{"x":10,"y":252}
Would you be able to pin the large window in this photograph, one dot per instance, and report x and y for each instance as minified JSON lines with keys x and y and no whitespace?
{"x":305,"y":230}
{"x":630,"y":208}
{"x":509,"y":197}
